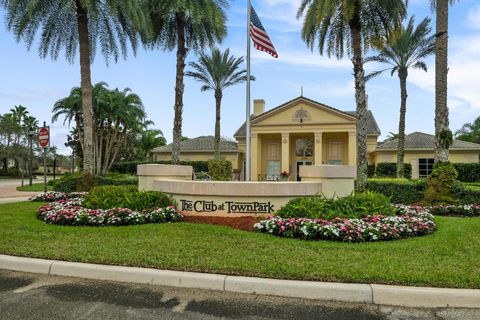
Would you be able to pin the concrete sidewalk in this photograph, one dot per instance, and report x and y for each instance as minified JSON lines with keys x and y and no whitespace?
{"x":9,"y":193}
{"x":344,"y":292}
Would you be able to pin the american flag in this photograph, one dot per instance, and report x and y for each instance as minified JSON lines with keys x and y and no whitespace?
{"x":260,"y":38}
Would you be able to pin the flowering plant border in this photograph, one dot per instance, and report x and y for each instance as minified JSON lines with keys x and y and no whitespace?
{"x":68,"y":209}
{"x":414,"y":222}
{"x":468,"y":211}
{"x":55,"y":196}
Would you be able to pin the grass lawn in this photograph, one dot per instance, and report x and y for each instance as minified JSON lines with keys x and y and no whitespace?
{"x":448,"y":258}
{"x":34,"y":187}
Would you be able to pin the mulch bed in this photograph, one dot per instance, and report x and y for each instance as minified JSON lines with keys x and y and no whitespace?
{"x":240,"y":223}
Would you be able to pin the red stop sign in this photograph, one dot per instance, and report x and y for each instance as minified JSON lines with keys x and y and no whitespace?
{"x":43,"y":137}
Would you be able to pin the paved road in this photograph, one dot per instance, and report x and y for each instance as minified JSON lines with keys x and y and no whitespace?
{"x":9,"y":193}
{"x":27,"y":296}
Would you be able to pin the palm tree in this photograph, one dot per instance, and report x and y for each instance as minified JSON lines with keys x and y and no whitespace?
{"x":469,"y":131}
{"x":391,"y":136}
{"x":404,"y":49}
{"x":150,"y":139}
{"x":441,"y":79}
{"x":116,"y":114}
{"x":216,"y":72}
{"x":19,"y":113}
{"x":340,"y":27}
{"x":185,"y":25}
{"x":78,"y":25}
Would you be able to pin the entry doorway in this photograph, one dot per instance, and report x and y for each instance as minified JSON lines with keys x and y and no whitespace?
{"x":302,"y":163}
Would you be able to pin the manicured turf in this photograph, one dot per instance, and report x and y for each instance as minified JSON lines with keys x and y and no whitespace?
{"x":34,"y":187}
{"x":449,"y":258}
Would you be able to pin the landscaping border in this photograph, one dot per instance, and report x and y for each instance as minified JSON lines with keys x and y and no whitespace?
{"x":345,"y":292}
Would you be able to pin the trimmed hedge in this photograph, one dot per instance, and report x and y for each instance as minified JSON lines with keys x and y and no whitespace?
{"x":389,"y":170}
{"x":466,"y":194}
{"x":468,"y":172}
{"x":72,"y":182}
{"x":220,"y":169}
{"x":130,"y":167}
{"x":400,"y":191}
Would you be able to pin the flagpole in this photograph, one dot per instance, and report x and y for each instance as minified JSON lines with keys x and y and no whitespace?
{"x":247,"y":121}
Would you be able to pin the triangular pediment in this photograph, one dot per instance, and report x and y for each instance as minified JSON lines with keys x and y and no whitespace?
{"x":305,"y":111}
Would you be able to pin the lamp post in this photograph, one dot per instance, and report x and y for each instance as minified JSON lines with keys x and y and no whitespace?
{"x":31,"y":133}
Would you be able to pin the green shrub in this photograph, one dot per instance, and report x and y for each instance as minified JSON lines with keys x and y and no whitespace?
{"x":354,"y":206}
{"x":68,"y":183}
{"x":130,"y":167}
{"x":86,"y":183}
{"x":389,"y":170}
{"x":371,"y":170}
{"x":466,"y":194}
{"x":108,"y":197}
{"x":468,"y":172}
{"x":440,"y":184}
{"x":400,"y":191}
{"x":220,"y":169}
{"x":73,"y":182}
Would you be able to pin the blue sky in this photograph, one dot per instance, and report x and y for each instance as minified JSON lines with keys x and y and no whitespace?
{"x":36,"y":83}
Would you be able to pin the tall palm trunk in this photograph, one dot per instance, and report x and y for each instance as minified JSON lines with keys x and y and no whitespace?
{"x":360,"y":99}
{"x":86,"y":83}
{"x":441,"y":75}
{"x":179,"y":88}
{"x":402,"y":74}
{"x":218,"y":105}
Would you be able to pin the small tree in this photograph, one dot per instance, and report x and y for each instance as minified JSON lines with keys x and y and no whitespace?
{"x":184,"y":25}
{"x":403,"y":49}
{"x":216,"y":72}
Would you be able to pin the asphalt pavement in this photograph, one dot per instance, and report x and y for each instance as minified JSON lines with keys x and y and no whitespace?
{"x":30,"y":296}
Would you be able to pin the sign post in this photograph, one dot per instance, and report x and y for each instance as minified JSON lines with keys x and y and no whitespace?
{"x":44,"y":142}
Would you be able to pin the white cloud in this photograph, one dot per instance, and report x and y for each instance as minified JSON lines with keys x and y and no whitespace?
{"x":302,"y":58}
{"x":463,"y":76}
{"x":473,"y":20}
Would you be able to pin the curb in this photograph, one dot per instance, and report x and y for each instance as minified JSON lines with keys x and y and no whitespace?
{"x":420,"y":297}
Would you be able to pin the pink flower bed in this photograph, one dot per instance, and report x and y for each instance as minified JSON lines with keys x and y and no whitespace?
{"x":69,"y":211}
{"x":414,"y":222}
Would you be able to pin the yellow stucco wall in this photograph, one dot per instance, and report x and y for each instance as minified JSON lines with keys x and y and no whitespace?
{"x":322,"y":124}
{"x":455,"y":156}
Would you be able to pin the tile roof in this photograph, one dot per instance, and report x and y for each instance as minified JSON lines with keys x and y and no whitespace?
{"x":372,"y":126}
{"x":420,"y":140}
{"x":199,"y":144}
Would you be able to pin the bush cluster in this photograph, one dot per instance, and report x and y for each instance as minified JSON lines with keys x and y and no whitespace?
{"x":389,"y":170}
{"x":107,"y":197}
{"x":468,"y":172}
{"x":355,"y":206}
{"x":466,"y":194}
{"x":77,"y":182}
{"x":440,"y":184}
{"x":130,"y":167}
{"x":220,"y":169}
{"x":399,"y":190}
{"x":456,"y":211}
